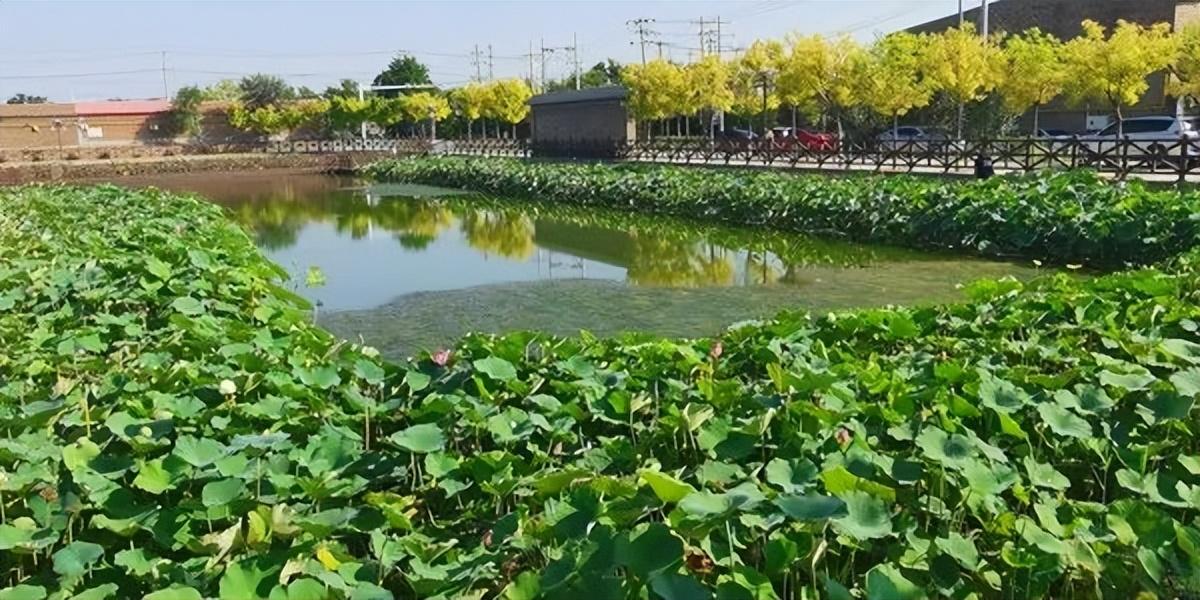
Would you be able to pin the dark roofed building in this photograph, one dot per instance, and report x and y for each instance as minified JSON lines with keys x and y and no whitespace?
{"x":593,"y":117}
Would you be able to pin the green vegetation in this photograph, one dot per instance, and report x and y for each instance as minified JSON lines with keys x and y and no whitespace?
{"x":174,"y":426}
{"x":1061,"y":217}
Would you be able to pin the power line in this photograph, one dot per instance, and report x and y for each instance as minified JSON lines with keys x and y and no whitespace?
{"x":643,"y":32}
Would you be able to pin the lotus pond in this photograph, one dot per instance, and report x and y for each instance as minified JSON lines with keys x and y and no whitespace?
{"x":410,"y":267}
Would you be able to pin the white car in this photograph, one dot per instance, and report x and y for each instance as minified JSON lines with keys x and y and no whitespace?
{"x":908,"y":137}
{"x":1155,"y":137}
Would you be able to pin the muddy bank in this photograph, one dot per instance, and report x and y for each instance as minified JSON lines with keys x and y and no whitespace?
{"x":93,"y":170}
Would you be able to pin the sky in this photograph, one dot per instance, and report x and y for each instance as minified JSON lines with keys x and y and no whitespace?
{"x":99,"y":49}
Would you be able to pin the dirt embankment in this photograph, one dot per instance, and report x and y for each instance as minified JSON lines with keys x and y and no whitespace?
{"x":79,"y":170}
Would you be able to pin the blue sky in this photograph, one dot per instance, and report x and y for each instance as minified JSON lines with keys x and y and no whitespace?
{"x":103,"y":49}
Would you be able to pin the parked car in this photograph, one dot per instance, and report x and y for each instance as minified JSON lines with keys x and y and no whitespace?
{"x":908,"y":137}
{"x":786,"y":138}
{"x":1156,"y":137}
{"x":1054,"y":134}
{"x":735,"y":139}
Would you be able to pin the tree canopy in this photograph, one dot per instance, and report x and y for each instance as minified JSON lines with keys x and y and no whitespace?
{"x":403,"y":70}
{"x":261,"y":90}
{"x":1113,"y":68}
{"x":26,"y":99}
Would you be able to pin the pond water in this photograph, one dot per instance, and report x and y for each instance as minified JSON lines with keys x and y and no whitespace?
{"x":414,"y":267}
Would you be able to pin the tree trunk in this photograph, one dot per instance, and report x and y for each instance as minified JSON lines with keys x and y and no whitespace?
{"x":1120,"y":122}
{"x":1037,"y":109}
{"x":514,"y":130}
{"x":470,"y":124}
{"x":961,"y":109}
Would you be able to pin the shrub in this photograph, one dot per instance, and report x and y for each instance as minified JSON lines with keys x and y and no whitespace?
{"x":1072,"y":217}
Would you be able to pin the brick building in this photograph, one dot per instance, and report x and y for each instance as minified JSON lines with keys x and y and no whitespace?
{"x":83,"y":124}
{"x":1062,"y":18}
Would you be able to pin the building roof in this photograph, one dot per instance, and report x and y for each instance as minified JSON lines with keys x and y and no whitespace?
{"x":597,"y":94}
{"x":122,"y":107}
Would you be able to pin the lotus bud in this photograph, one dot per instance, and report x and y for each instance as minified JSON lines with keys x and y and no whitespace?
{"x":227,"y":387}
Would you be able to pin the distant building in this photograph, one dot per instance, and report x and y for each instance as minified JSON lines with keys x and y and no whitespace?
{"x":1062,"y":18}
{"x":589,"y":118}
{"x":112,"y":122}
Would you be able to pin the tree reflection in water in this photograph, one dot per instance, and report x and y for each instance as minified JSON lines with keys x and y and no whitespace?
{"x":654,"y":251}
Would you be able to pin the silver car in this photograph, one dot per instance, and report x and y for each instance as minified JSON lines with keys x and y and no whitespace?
{"x":1152,"y":137}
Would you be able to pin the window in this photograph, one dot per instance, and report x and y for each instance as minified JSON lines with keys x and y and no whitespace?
{"x":908,"y":132}
{"x":1139,"y":126}
{"x":1148,"y":125}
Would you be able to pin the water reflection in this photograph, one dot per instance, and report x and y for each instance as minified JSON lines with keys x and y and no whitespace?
{"x":652,"y":252}
{"x":415,"y":267}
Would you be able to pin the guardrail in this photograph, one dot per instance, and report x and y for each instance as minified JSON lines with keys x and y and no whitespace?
{"x":1171,"y":160}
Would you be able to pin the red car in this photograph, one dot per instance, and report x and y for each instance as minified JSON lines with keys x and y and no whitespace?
{"x":808,"y":140}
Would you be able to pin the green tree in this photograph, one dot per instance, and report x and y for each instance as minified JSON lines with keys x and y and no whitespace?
{"x":707,"y":86}
{"x":346,"y":88}
{"x":347,"y":113}
{"x":185,"y":117}
{"x":422,"y":106}
{"x":1113,"y":69}
{"x":964,"y":65}
{"x":815,"y":75}
{"x":260,"y":90}
{"x":403,"y":70}
{"x":469,"y":102}
{"x":657,"y":90}
{"x":225,"y":90}
{"x":888,"y":78}
{"x":600,"y":75}
{"x":1032,"y":72}
{"x":508,"y":101}
{"x":26,"y":99}
{"x":754,"y":79}
{"x":1185,"y":70}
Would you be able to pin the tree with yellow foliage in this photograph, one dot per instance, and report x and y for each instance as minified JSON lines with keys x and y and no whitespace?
{"x":508,"y":101}
{"x":1113,"y":68}
{"x":657,"y":90}
{"x":889,"y":79}
{"x":469,"y":101}
{"x":1185,"y":72}
{"x":420,"y":106}
{"x":815,"y":75}
{"x":754,"y":79}
{"x":1032,"y":72}
{"x":961,"y":63}
{"x":707,"y":87}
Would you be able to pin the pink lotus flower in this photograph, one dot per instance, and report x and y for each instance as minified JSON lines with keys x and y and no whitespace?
{"x":717,"y":349}
{"x":843,"y":436}
{"x":441,"y":358}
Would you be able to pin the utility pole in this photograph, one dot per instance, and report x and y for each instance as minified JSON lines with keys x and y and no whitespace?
{"x":543,"y":45}
{"x":530,"y":55}
{"x":960,"y":14}
{"x":166,"y":91}
{"x":575,"y":56}
{"x":984,"y":27}
{"x":703,"y":34}
{"x":720,"y":49}
{"x":639,"y":26}
{"x":491,"y":65}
